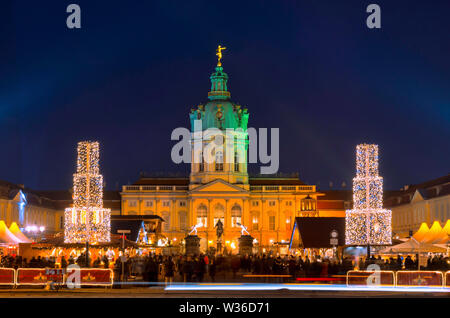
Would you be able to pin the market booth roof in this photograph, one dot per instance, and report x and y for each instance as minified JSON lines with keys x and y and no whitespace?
{"x":422,"y":232}
{"x":446,"y":227}
{"x":134,"y":226}
{"x":57,"y":240}
{"x":6,"y":237}
{"x":17,"y":233}
{"x":413,"y":246}
{"x":436,"y":235}
{"x":316,"y":232}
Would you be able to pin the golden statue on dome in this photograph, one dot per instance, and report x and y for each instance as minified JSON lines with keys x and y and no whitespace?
{"x":219,"y":54}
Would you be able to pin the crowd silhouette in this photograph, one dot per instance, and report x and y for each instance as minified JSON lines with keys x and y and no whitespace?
{"x":204,"y":267}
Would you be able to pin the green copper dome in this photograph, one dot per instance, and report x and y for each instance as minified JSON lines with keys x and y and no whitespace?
{"x":219,"y":112}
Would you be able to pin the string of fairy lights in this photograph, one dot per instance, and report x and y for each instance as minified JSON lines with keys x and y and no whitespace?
{"x":367,"y":223}
{"x":87,"y":220}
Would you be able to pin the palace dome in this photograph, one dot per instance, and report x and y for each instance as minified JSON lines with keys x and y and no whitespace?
{"x":219,"y":112}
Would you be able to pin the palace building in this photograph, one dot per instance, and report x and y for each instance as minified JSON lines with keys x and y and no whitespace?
{"x":415,"y":204}
{"x":221,"y":189}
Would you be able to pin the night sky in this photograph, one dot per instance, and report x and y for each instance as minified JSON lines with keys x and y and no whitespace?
{"x":134,"y":70}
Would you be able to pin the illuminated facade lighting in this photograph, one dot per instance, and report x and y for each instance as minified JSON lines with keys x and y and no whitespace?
{"x":87,"y":220}
{"x":368,"y":223}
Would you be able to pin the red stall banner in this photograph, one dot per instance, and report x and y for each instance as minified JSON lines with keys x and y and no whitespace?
{"x":7,"y":276}
{"x":420,"y":278}
{"x":38,"y":276}
{"x":447,"y":279}
{"x":369,"y":278}
{"x":96,"y":277}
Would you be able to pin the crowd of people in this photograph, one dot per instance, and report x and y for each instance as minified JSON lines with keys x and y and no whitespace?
{"x":198,"y":268}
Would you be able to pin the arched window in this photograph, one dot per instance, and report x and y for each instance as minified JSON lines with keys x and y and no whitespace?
{"x":202,"y":215}
{"x":219,"y":214}
{"x":219,"y":161}
{"x":236,"y":162}
{"x":236,"y":215}
{"x":166,"y":223}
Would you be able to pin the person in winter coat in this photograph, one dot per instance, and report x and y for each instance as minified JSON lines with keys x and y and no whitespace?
{"x":169,"y":270}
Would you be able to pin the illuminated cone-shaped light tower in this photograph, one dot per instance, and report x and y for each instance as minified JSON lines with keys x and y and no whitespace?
{"x":87,"y":220}
{"x":368,"y":223}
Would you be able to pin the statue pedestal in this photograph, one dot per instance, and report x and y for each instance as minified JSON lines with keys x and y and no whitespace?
{"x":245,"y":245}
{"x":219,"y":246}
{"x":192,"y":245}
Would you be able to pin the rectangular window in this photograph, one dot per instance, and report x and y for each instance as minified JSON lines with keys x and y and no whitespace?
{"x":132,"y":203}
{"x":166,"y":203}
{"x":203,"y":220}
{"x":234,"y":220}
{"x":271,"y":203}
{"x":255,"y":224}
{"x":182,"y":203}
{"x":272,"y":222}
{"x":288,"y":223}
{"x":289,"y":203}
{"x":148,"y":204}
{"x":255,"y":203}
{"x":183,"y":221}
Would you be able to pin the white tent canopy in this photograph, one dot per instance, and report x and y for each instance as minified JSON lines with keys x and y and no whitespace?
{"x":412,"y":246}
{"x":17,"y":233}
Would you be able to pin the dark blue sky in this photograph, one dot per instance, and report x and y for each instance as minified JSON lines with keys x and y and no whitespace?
{"x":311,"y":68}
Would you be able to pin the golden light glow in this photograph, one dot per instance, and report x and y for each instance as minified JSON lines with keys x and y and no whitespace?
{"x":219,"y":54}
{"x":87,"y":220}
{"x":368,"y":222}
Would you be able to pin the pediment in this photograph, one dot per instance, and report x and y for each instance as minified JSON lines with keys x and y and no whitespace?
{"x":218,"y":186}
{"x":417,"y":196}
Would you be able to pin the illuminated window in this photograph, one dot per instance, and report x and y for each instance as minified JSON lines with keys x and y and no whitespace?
{"x":219,"y":214}
{"x":202,"y":215}
{"x":255,"y":221}
{"x":288,"y":222}
{"x":236,"y":215}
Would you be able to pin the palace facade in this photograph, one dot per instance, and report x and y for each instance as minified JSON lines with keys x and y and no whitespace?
{"x":414,"y":204}
{"x":221,"y":189}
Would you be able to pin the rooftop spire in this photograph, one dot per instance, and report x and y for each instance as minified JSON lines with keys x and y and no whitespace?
{"x":219,"y":54}
{"x":219,"y":78}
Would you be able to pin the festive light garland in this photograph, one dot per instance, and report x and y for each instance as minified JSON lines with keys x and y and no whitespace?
{"x":87,"y":220}
{"x":368,"y":222}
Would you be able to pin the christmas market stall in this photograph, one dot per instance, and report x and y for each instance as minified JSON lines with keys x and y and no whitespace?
{"x":8,"y":241}
{"x":14,"y":228}
{"x":54,"y":247}
{"x":318,"y":236}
